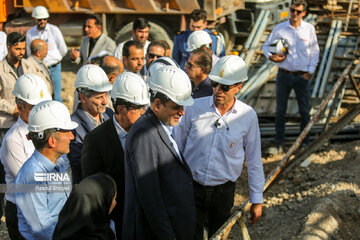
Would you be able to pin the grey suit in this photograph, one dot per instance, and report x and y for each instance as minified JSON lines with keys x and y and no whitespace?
{"x":103,"y":44}
{"x":159,"y":198}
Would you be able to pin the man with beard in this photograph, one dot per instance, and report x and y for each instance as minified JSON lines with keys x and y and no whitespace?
{"x":133,"y":57}
{"x":11,"y":68}
{"x":92,"y":86}
{"x":140,"y":32}
{"x":52,"y":35}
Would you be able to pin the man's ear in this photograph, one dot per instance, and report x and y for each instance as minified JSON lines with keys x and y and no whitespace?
{"x":52,"y":141}
{"x":82,"y":98}
{"x":157,"y":103}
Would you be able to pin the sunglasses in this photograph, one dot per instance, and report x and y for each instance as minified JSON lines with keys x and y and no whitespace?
{"x":42,"y":19}
{"x":293,"y":10}
{"x":152,"y":55}
{"x":190,"y":65}
{"x":223,"y":87}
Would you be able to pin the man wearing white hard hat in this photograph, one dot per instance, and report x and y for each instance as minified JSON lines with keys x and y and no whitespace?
{"x":201,"y":39}
{"x":92,"y":86}
{"x":57,"y":48}
{"x":29,"y":90}
{"x":296,"y":66}
{"x":104,"y":147}
{"x":216,"y":135}
{"x":42,"y":184}
{"x":159,"y":200}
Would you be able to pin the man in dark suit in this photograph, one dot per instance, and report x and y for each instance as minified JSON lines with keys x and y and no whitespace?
{"x":103,"y":149}
{"x":159,"y":199}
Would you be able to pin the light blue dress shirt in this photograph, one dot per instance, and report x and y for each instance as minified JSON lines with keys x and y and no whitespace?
{"x":216,"y":154}
{"x":38,"y":210}
{"x":168,"y":131}
{"x":120,"y":132}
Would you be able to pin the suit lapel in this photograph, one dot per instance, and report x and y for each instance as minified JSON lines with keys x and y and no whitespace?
{"x":163,"y":134}
{"x":86,"y":49}
{"x":114,"y":138}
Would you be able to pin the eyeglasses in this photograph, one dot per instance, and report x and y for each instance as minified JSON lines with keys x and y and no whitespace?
{"x":223,"y":87}
{"x":42,"y":19}
{"x":152,"y":55}
{"x":189,"y":65}
{"x":293,"y":10}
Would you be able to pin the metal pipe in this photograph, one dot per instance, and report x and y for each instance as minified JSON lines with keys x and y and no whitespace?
{"x":330,"y":58}
{"x":254,"y":78}
{"x":226,"y":227}
{"x":254,"y":30}
{"x":257,"y":38}
{"x":324,"y":58}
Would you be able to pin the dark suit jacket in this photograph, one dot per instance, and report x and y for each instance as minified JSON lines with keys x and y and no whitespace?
{"x":159,"y":199}
{"x":76,"y":145}
{"x":102,"y":152}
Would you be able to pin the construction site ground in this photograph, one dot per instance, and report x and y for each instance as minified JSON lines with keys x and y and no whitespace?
{"x":319,"y":201}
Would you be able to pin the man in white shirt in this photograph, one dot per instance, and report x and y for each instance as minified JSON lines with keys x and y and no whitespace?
{"x":140,"y":32}
{"x":52,"y":35}
{"x":295,"y":68}
{"x":3,"y":48}
{"x":215,"y":136}
{"x":29,"y":90}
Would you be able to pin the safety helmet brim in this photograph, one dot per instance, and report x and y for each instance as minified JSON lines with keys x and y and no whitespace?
{"x":225,"y":81}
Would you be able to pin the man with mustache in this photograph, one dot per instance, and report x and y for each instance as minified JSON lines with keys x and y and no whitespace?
{"x":216,"y":135}
{"x":133,"y":57}
{"x":92,"y":86}
{"x":11,"y":68}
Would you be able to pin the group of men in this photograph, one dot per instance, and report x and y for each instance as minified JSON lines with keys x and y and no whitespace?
{"x":174,"y":141}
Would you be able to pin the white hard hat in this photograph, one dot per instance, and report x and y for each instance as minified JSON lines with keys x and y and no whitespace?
{"x":160,"y":62}
{"x":132,"y":88}
{"x":92,"y":77}
{"x":279,"y":46}
{"x":196,"y":39}
{"x":229,"y":70}
{"x":174,"y":83}
{"x":31,"y":88}
{"x":49,"y":115}
{"x":40,"y":12}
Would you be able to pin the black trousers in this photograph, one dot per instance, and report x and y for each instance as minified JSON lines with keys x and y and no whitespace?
{"x":12,"y":221}
{"x":213,"y":207}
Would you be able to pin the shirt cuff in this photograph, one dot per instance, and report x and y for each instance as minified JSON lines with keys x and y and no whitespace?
{"x":256,"y":197}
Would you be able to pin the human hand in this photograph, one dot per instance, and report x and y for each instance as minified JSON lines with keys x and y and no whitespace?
{"x":277,"y":57}
{"x":306,"y":76}
{"x":256,"y":212}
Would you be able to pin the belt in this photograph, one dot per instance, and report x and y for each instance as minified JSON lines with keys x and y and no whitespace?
{"x":292,"y":73}
{"x":54,"y":65}
{"x":210,"y":188}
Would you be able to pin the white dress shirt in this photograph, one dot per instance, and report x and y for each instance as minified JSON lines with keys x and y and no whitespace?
{"x":119,"y":48}
{"x":3,"y":47}
{"x":302,"y":43}
{"x":215,"y":154}
{"x":52,"y":35}
{"x":14,"y":152}
{"x":168,"y":131}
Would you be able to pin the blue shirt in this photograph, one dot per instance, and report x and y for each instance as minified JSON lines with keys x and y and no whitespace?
{"x":38,"y":210}
{"x":216,"y":154}
{"x":180,"y":55}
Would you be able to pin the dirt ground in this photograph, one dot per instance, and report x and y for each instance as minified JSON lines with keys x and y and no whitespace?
{"x":320,"y":201}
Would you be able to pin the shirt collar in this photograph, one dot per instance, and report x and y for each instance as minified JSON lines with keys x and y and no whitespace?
{"x":120,"y":131}
{"x":44,"y":161}
{"x":167,"y":129}
{"x":234,"y":109}
{"x":300,"y":26}
{"x":93,"y":120}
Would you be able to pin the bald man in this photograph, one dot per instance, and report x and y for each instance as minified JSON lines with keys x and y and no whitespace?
{"x":39,"y":50}
{"x":112,"y":67}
